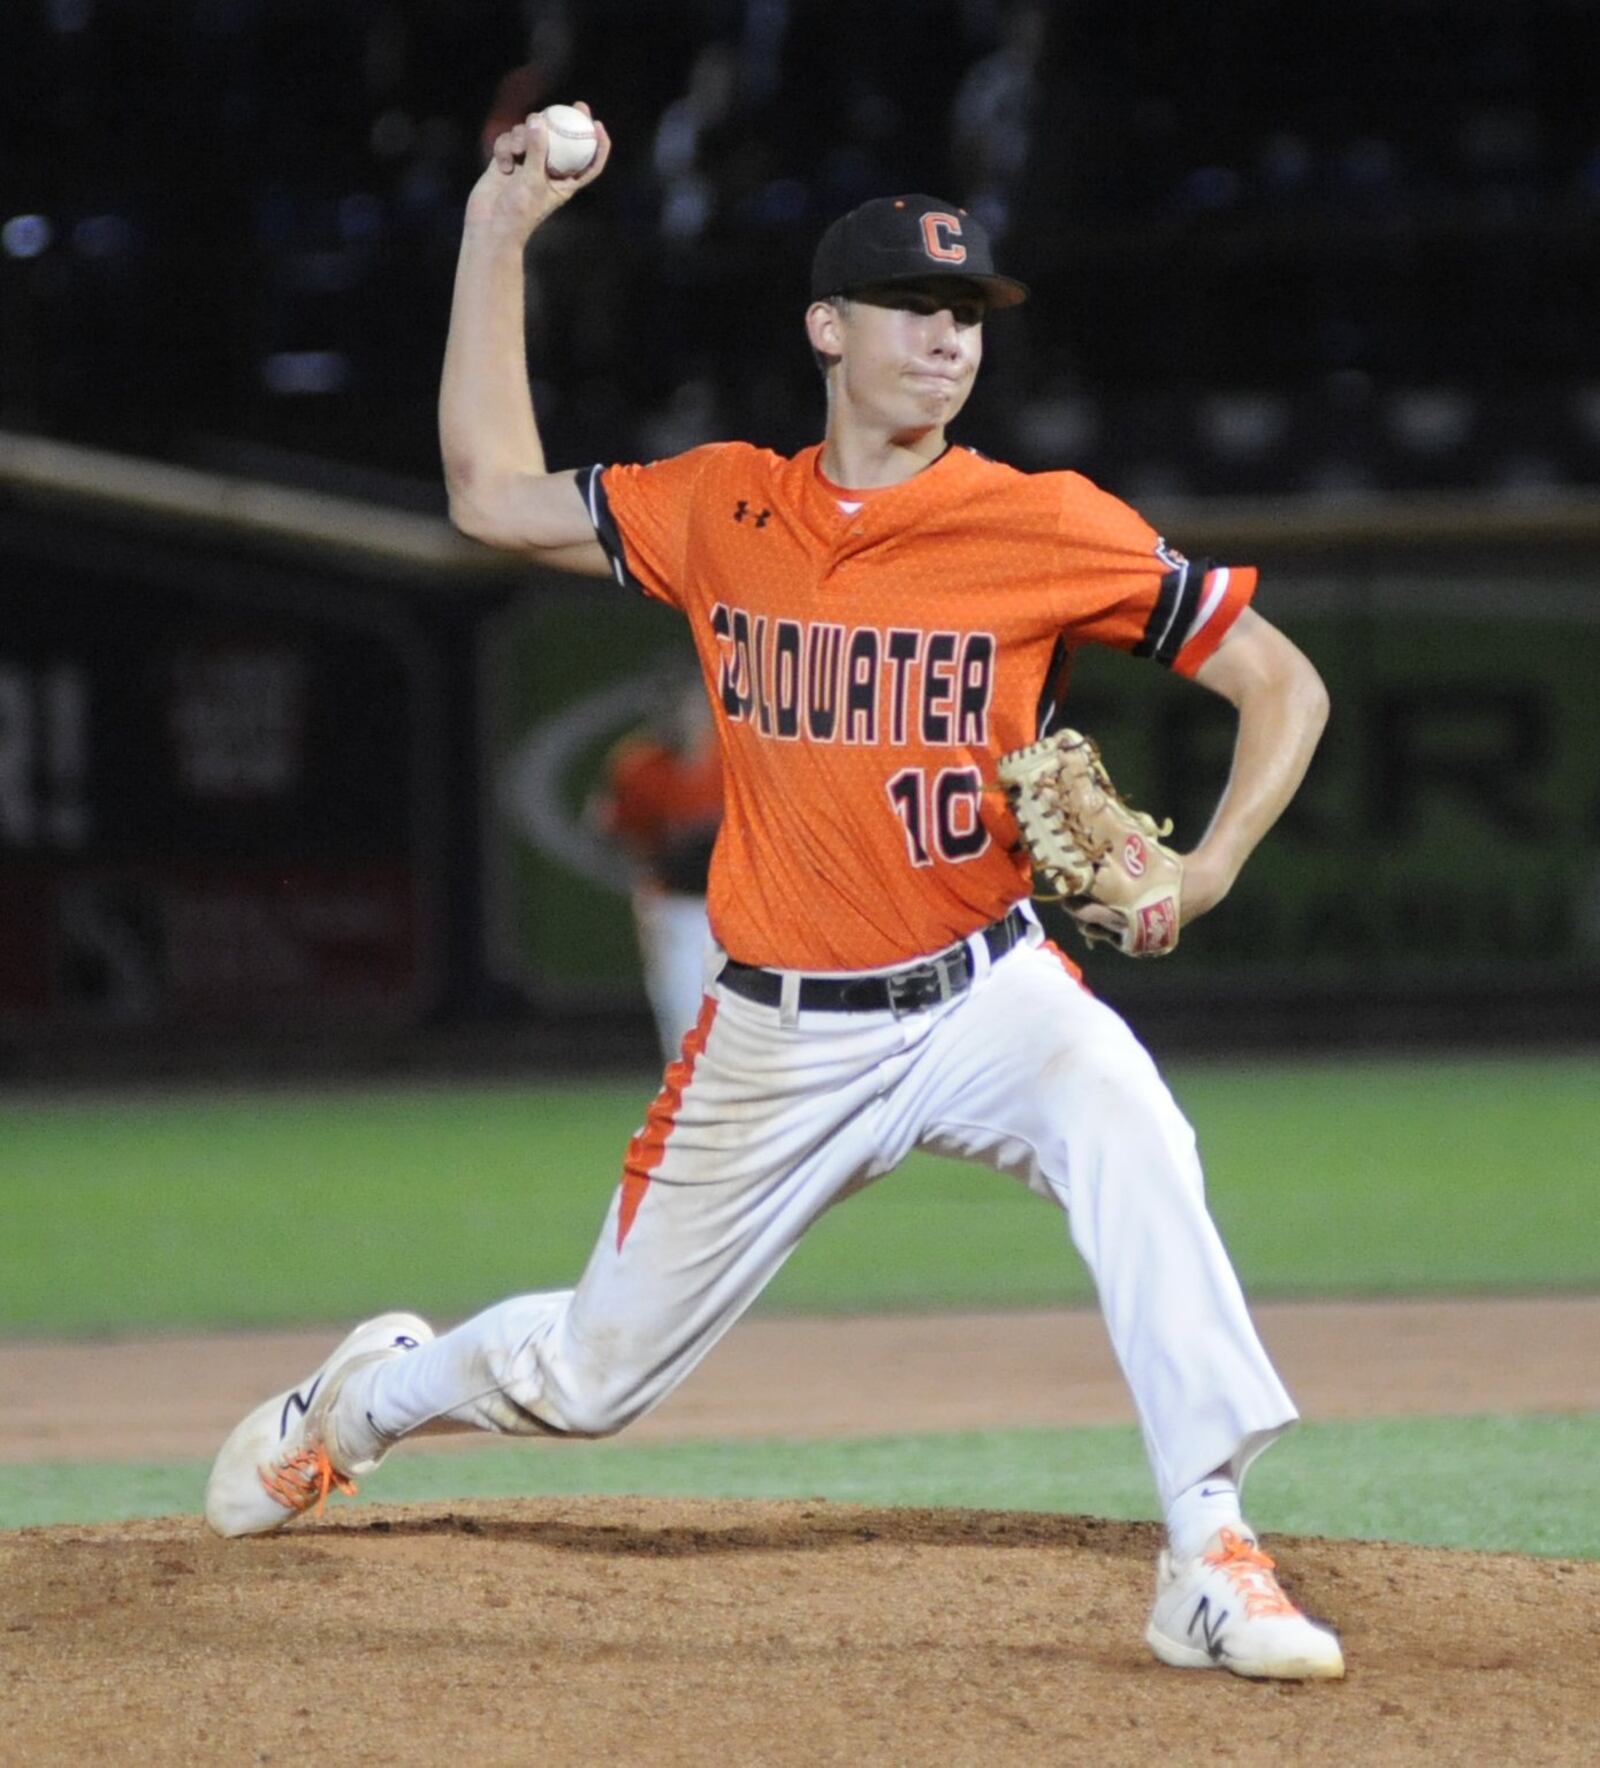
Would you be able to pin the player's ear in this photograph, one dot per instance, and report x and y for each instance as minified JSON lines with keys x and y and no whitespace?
{"x":825,"y":329}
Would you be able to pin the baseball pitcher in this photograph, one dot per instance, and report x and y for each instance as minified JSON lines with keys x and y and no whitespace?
{"x":884,"y":624}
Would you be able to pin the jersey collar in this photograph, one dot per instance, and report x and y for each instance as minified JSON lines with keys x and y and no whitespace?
{"x":883,"y":507}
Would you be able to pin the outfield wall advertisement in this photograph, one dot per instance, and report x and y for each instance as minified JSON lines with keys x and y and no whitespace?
{"x":209,"y":794}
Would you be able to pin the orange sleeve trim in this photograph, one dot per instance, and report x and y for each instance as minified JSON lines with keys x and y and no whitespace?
{"x":1214,"y":626}
{"x":646,"y":1149}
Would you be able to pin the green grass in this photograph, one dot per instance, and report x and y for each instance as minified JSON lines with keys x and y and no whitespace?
{"x":1524,"y":1484}
{"x":238,"y":1210}
{"x":1377,"y":1177}
{"x":1341,"y":1177}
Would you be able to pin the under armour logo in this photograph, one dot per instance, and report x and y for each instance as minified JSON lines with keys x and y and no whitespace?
{"x":742,"y":509}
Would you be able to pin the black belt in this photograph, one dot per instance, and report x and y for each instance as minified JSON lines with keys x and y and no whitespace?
{"x":910,"y":990}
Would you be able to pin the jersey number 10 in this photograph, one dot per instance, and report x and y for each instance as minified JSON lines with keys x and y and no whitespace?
{"x":943,"y":815}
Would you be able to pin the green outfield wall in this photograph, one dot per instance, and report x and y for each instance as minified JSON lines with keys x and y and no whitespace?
{"x":1446,"y":842}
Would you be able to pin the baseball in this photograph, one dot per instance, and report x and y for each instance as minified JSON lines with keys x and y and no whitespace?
{"x":569,"y":141}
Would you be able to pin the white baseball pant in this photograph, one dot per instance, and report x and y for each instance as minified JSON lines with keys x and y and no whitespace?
{"x":775,"y":1115}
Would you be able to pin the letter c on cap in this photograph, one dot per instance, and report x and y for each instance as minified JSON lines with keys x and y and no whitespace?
{"x":941,"y":238}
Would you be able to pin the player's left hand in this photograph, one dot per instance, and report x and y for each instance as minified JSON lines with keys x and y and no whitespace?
{"x":1113,"y":874}
{"x":1096,"y":921}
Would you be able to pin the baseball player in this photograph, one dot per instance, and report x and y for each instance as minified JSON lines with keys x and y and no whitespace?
{"x":877,"y":620}
{"x":660,"y":802}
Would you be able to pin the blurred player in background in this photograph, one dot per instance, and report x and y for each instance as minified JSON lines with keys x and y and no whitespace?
{"x":660,"y":803}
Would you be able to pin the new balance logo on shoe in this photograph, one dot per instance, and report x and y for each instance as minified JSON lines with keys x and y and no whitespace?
{"x":1210,"y":1629}
{"x":298,"y":1403}
{"x":1224,"y":1610}
{"x":285,"y":1457}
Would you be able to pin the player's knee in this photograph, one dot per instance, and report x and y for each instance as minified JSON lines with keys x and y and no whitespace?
{"x":1116,"y":1082}
{"x":538,"y":1415}
{"x":1112,"y":1101}
{"x":578,"y":1408}
{"x":594,"y":1416}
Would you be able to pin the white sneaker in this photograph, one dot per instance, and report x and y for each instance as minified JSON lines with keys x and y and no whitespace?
{"x":283,"y":1459}
{"x":1224,"y":1610}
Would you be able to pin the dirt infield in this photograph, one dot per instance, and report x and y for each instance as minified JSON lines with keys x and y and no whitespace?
{"x":644,"y":1632}
{"x":654,"y":1632}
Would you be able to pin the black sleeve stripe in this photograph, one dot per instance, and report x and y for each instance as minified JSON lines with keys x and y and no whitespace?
{"x":1054,"y":693}
{"x":1174,"y":612}
{"x":606,"y":530}
{"x":1161,"y":613}
{"x":1190,"y":588}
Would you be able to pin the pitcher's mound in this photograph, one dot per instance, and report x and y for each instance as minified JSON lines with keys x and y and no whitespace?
{"x":659,"y":1632}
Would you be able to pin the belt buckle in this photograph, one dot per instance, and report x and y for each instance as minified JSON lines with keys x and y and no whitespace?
{"x":927,"y":985}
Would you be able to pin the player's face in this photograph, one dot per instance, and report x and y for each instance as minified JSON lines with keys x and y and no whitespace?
{"x":911,"y":351}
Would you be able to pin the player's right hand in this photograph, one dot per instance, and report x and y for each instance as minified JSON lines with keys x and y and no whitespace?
{"x":515,"y":191}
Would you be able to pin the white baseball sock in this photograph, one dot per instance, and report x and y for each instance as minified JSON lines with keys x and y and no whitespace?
{"x":1199,"y":1511}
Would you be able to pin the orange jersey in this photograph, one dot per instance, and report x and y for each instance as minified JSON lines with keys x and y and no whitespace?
{"x":869,"y":655}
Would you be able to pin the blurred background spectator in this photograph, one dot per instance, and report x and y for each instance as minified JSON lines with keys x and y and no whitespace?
{"x":994,"y":118}
{"x":1275,"y":250}
{"x":659,"y":804}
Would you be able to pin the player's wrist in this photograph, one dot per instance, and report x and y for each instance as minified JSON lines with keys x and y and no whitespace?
{"x":1207,"y":879}
{"x":490,"y":226}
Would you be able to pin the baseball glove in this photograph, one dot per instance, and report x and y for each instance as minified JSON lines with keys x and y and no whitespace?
{"x":1104,"y":860}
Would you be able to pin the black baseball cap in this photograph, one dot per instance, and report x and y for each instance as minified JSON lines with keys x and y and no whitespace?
{"x":907,"y":239}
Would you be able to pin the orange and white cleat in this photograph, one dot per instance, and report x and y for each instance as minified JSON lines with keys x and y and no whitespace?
{"x":283,"y":1459}
{"x":1225,"y":1610}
